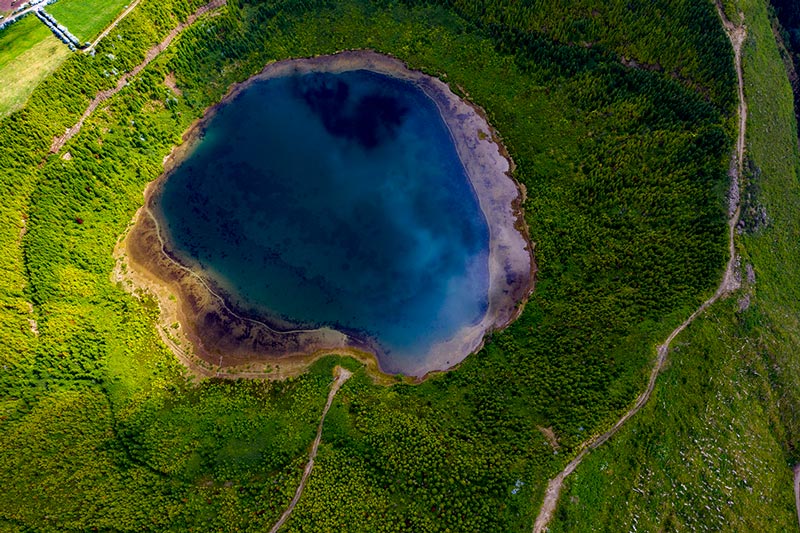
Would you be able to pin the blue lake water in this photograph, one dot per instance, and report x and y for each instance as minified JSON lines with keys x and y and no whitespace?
{"x":334,"y":200}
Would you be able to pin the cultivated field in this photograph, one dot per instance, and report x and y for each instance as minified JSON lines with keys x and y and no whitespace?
{"x":87,"y":18}
{"x":28,"y":53}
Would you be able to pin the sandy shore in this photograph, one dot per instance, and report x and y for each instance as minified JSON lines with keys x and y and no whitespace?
{"x":211,"y":338}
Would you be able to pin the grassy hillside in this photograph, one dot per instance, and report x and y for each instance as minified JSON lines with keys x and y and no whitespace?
{"x":716,"y":445}
{"x":625,"y":170}
{"x":678,"y":38}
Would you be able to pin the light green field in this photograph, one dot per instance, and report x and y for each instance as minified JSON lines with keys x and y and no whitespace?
{"x":87,"y":18}
{"x":28,"y":53}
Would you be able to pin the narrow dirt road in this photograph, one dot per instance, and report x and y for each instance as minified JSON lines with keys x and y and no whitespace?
{"x":730,"y":282}
{"x":111,"y":26}
{"x":22,"y":13}
{"x":102,"y":96}
{"x":342,"y":375}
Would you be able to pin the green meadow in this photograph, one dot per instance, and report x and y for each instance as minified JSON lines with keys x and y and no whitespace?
{"x":28,"y":53}
{"x":87,"y":18}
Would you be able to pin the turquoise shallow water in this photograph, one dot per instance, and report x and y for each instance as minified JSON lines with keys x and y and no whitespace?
{"x":337,"y":200}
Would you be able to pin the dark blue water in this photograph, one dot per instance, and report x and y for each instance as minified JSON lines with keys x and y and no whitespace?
{"x":339,"y":200}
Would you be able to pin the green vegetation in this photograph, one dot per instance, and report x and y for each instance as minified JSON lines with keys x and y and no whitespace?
{"x":717,"y":442}
{"x":706,"y":452}
{"x":785,"y":15}
{"x":678,"y":38}
{"x":625,"y":170}
{"x":87,"y":18}
{"x":28,"y":53}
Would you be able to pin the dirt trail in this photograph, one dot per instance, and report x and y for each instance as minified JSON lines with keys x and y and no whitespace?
{"x":730,"y":282}
{"x":342,"y":375}
{"x":102,"y":96}
{"x":111,"y":26}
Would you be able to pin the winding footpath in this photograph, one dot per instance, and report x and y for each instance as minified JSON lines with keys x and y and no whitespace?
{"x":342,"y":375}
{"x":730,"y":282}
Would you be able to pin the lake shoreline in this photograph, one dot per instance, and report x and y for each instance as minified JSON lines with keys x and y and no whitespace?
{"x":226,"y":339}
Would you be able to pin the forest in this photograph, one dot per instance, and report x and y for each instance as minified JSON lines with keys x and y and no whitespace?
{"x":620,"y":117}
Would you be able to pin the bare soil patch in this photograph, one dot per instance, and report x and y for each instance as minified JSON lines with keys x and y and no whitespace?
{"x":169,"y":81}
